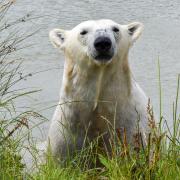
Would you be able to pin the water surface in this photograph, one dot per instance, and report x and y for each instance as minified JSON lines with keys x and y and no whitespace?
{"x":161,"y":39}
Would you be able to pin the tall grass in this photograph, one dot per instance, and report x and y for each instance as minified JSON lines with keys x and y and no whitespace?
{"x":14,"y":125}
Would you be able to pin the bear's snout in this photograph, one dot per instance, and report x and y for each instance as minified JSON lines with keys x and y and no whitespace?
{"x":103,"y":47}
{"x":102,"y":44}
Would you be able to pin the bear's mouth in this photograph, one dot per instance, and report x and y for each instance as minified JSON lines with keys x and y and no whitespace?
{"x":103,"y":57}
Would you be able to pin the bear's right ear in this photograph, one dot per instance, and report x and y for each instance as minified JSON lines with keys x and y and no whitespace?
{"x":57,"y":37}
{"x":135,"y":29}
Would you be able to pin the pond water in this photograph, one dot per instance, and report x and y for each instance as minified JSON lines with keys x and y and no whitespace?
{"x":160,"y":39}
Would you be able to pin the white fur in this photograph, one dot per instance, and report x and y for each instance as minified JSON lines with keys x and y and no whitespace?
{"x":93,"y":93}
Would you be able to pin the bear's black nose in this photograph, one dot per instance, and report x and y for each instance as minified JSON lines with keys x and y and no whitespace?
{"x":102,"y":44}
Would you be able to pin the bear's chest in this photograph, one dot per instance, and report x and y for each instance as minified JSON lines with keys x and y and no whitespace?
{"x":101,"y":119}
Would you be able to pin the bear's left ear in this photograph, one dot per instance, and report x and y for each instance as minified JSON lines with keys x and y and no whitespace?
{"x":135,"y":29}
{"x":57,"y":37}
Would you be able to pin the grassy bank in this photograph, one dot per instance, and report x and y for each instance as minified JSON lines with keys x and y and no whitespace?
{"x":160,"y":159}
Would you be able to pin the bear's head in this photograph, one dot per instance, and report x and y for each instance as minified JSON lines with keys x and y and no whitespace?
{"x":99,"y":42}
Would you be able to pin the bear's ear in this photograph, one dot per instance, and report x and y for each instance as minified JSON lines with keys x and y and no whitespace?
{"x":135,"y":29}
{"x":57,"y":37}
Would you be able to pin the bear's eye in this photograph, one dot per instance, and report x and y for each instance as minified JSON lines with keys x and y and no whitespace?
{"x":84,"y":32}
{"x":115,"y":29}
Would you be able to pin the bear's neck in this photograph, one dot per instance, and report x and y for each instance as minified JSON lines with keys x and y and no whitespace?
{"x":96,"y":83}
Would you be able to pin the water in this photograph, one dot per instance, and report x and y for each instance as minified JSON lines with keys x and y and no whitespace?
{"x":161,"y":39}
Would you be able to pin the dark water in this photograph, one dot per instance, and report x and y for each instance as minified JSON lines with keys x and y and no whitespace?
{"x":161,"y":39}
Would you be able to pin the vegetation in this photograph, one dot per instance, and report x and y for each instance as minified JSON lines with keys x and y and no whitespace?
{"x":160,"y":159}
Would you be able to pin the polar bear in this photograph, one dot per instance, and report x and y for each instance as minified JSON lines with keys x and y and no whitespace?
{"x":98,"y":90}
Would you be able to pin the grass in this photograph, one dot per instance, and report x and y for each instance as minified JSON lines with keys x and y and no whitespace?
{"x":160,"y":159}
